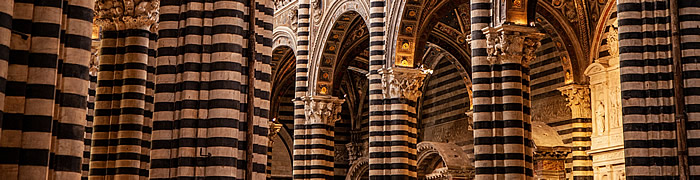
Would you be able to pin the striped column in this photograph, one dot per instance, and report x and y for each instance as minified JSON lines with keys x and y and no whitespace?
{"x":90,"y":116}
{"x":46,"y":70}
{"x":689,"y":29}
{"x":647,"y":90}
{"x":377,"y":61}
{"x":274,"y":129}
{"x":502,"y":129}
{"x":316,"y":137}
{"x":301,"y":168}
{"x":6,"y":13}
{"x":401,"y":89}
{"x":212,"y":90}
{"x":579,"y":101}
{"x":121,"y":137}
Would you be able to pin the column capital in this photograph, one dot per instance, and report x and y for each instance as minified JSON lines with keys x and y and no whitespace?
{"x":578,"y":98}
{"x":126,"y":14}
{"x":273,"y":129}
{"x":512,"y":44}
{"x":400,"y":82}
{"x":322,"y":109}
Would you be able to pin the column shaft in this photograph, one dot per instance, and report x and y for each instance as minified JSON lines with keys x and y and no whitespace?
{"x":377,"y":60}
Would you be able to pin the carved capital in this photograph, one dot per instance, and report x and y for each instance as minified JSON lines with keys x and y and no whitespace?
{"x":512,"y":44}
{"x":273,"y":129}
{"x":579,"y":100}
{"x":403,"y":82}
{"x":126,"y":14}
{"x":322,"y":109}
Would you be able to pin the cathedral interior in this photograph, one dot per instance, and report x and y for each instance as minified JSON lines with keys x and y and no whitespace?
{"x":350,"y":89}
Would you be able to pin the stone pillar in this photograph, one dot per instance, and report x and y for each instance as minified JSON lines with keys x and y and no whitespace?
{"x":120,"y":110}
{"x":579,"y":101}
{"x":503,"y":145}
{"x":314,"y":138}
{"x":274,"y":128}
{"x":393,"y":140}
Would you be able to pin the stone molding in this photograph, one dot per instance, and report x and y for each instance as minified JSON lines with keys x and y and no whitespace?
{"x":322,"y":109}
{"x":126,"y":14}
{"x":512,"y":44}
{"x":578,"y":99}
{"x":405,"y":83}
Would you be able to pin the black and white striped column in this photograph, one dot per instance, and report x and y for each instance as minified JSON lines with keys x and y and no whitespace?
{"x":401,"y":89}
{"x":579,"y":101}
{"x":121,"y":133}
{"x":316,"y":136}
{"x":212,"y":90}
{"x":301,"y":168}
{"x":45,"y":69}
{"x":648,"y":49}
{"x":503,"y":146}
{"x":377,"y":61}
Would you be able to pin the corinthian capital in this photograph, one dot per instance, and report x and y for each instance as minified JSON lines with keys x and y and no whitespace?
{"x":126,"y":14}
{"x":579,"y":100}
{"x":322,"y":109}
{"x":512,"y":44}
{"x":403,"y":82}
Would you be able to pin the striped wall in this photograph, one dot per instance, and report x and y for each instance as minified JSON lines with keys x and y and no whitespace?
{"x":302,"y":167}
{"x":45,"y":80}
{"x":90,"y":111}
{"x":210,"y":76}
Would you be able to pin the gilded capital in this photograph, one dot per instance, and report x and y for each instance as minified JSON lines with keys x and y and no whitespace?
{"x":579,"y":100}
{"x":126,"y":14}
{"x":512,"y":44}
{"x":322,"y":109}
{"x":273,"y":129}
{"x":400,"y":82}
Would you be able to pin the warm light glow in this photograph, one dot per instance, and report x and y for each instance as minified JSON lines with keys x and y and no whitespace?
{"x":324,"y":90}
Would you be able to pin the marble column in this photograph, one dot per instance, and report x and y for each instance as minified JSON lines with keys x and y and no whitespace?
{"x":314,"y":141}
{"x":503,"y":145}
{"x":120,"y":110}
{"x":579,"y":101}
{"x":393,"y":140}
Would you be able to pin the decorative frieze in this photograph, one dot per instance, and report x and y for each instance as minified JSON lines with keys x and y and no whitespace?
{"x":512,"y":44}
{"x":400,"y":82}
{"x":578,"y":98}
{"x":322,"y":109}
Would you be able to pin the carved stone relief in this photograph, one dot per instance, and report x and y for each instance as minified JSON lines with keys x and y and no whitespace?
{"x":322,"y":109}
{"x":578,"y":99}
{"x":126,"y":14}
{"x":513,"y":44}
{"x":281,"y":3}
{"x":403,"y":82}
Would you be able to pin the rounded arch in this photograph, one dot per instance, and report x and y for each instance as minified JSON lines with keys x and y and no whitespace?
{"x":284,"y":36}
{"x":348,"y":27}
{"x":358,"y":169}
{"x":569,"y":36}
{"x":443,"y":160}
{"x":601,"y":30}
